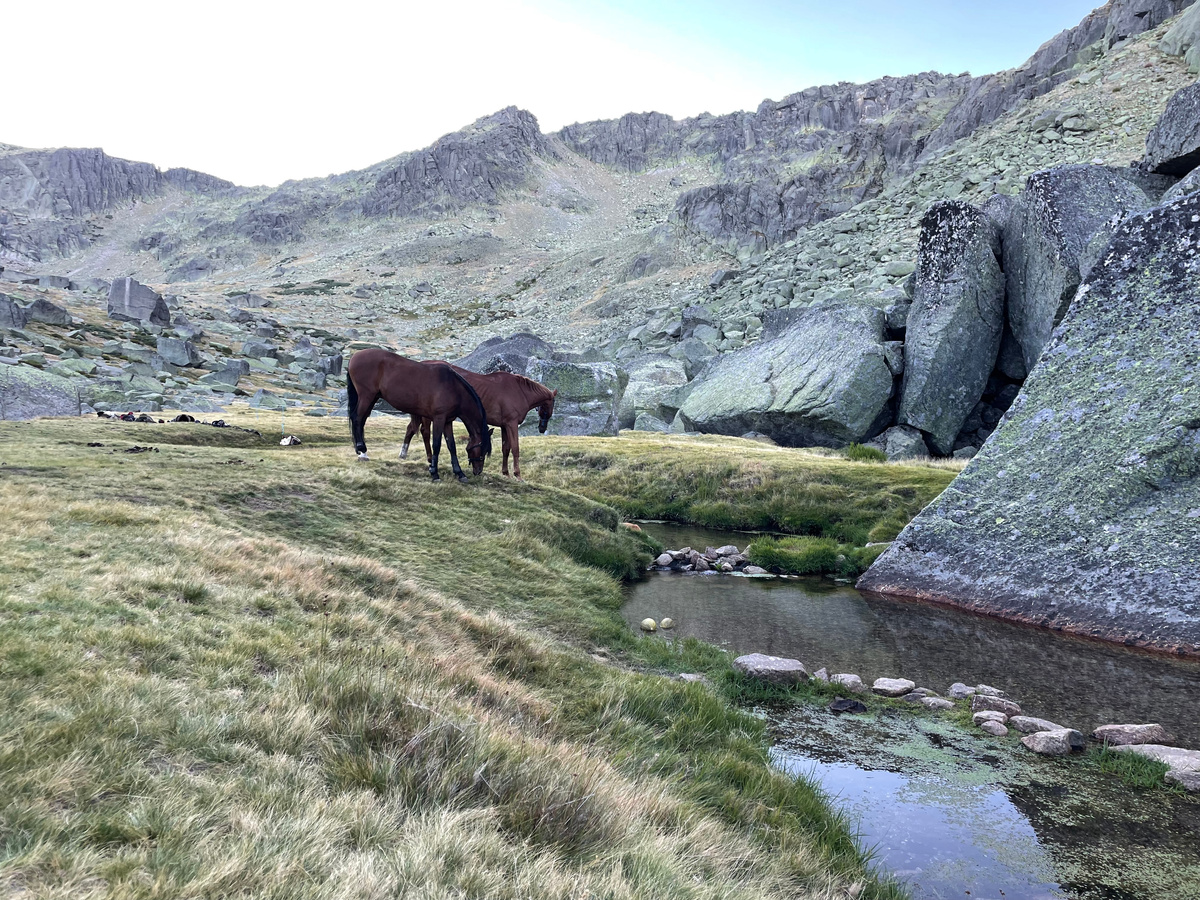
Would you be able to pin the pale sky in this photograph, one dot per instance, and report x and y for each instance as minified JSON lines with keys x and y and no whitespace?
{"x":260,"y":92}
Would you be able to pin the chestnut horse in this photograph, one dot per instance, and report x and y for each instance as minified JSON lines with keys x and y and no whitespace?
{"x":437,"y":393}
{"x":507,"y":399}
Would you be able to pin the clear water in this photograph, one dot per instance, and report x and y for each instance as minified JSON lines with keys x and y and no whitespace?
{"x":958,"y":815}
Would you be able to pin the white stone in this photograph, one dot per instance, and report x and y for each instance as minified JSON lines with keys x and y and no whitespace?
{"x":775,"y":670}
{"x":1030,"y":725}
{"x":995,"y":729}
{"x":1116,"y":735}
{"x":989,"y":715}
{"x":649,"y":625}
{"x":1054,"y":743}
{"x":849,"y":681}
{"x":667,"y":622}
{"x":937,"y":703}
{"x":893,"y":687}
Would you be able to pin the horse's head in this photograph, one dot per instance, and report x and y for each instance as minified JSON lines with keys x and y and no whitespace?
{"x":479,"y":449}
{"x":545,"y":411}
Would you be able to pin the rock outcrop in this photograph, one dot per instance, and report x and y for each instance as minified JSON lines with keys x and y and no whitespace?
{"x":589,"y":396}
{"x":471,"y":166}
{"x":824,"y":381}
{"x":1080,"y":512}
{"x":1058,"y":226}
{"x":26,"y":393}
{"x":131,"y":301}
{"x":1173,"y":147}
{"x":955,"y":324}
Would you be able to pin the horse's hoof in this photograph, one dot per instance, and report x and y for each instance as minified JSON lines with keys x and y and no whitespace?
{"x":362,"y":457}
{"x":404,"y":454}
{"x":463,"y":479}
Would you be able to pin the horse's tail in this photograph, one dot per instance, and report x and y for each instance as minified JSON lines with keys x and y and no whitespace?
{"x":483,"y":429}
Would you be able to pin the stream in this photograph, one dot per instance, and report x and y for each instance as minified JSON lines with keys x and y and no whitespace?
{"x":951,"y":813}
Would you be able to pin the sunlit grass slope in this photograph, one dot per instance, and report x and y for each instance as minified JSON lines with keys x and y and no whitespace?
{"x":232,"y":669}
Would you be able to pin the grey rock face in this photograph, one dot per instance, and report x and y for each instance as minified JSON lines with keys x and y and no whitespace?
{"x":654,"y":382}
{"x":647,"y":422}
{"x":1184,"y":39}
{"x":131,"y":301}
{"x":1129,"y":18}
{"x":42,"y":310}
{"x":955,"y":323}
{"x":772,"y":669}
{"x":472,"y":166}
{"x":178,"y":352}
{"x":589,"y":396}
{"x":1189,"y":185}
{"x":1047,"y":240}
{"x":825,"y":381}
{"x":511,"y":354}
{"x":1076,"y":512}
{"x":1173,"y":147}
{"x":26,"y":393}
{"x":1120,"y":735}
{"x":12,"y":314}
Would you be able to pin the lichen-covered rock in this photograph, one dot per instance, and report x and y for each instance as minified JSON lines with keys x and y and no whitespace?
{"x":178,"y":352}
{"x":589,"y":396}
{"x":42,"y":310}
{"x":1183,"y":38}
{"x":131,"y":301}
{"x":824,"y":381}
{"x":26,"y":393}
{"x":1173,"y":146}
{"x":654,"y":382}
{"x":1081,"y":511}
{"x":1046,"y":243}
{"x":955,"y":323}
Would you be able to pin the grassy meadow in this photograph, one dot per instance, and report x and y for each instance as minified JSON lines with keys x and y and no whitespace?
{"x":232,"y":669}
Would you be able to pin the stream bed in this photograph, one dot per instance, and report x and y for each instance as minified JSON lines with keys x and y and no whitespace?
{"x":954,"y":813}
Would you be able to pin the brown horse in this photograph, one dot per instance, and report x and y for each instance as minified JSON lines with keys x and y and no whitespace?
{"x":507,"y":399}
{"x":437,"y":393}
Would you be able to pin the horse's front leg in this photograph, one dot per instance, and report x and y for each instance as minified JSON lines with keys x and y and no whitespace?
{"x":437,"y":450}
{"x":425,"y":438}
{"x":413,"y":424}
{"x":458,"y":472}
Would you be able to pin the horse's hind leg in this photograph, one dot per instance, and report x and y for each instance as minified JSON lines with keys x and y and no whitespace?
{"x":413,"y":424}
{"x":425,"y":437}
{"x":514,"y":443}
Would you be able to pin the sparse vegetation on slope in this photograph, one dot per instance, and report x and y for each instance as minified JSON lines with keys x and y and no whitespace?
{"x":231,"y":669}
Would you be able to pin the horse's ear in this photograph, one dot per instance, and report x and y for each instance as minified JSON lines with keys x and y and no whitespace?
{"x":554,"y":393}
{"x":491,"y":433}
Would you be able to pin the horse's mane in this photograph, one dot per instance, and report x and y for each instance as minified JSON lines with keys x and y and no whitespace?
{"x":530,"y":385}
{"x":485,"y":435}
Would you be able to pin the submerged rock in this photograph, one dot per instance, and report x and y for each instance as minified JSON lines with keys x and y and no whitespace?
{"x":1079,"y":511}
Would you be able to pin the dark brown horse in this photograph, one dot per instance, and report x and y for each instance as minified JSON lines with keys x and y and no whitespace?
{"x":507,"y":399}
{"x":437,"y":393}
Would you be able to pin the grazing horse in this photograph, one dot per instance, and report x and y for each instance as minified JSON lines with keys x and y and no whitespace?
{"x":437,"y":393}
{"x":507,"y":399}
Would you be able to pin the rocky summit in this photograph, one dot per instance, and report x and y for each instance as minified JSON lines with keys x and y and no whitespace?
{"x":994,"y":266}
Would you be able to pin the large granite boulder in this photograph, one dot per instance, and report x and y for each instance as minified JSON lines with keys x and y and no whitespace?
{"x":132,"y":301}
{"x":1173,"y":145}
{"x":178,"y":352}
{"x":511,"y":354}
{"x":589,"y":396}
{"x":955,"y":323}
{"x":26,"y":393}
{"x":901,"y":442}
{"x":824,"y":381}
{"x":42,"y":310}
{"x":12,"y":314}
{"x":654,"y":387}
{"x":1082,"y":512}
{"x":1059,"y":224}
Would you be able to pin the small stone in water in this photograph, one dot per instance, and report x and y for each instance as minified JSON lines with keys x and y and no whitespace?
{"x":893,"y":687}
{"x":849,"y":682}
{"x":649,"y":625}
{"x":667,"y":622}
{"x":664,"y":560}
{"x":995,"y":729}
{"x":728,"y":550}
{"x":988,"y":701}
{"x":989,"y":715}
{"x":755,"y":570}
{"x":959,"y":691}
{"x":1030,"y":725}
